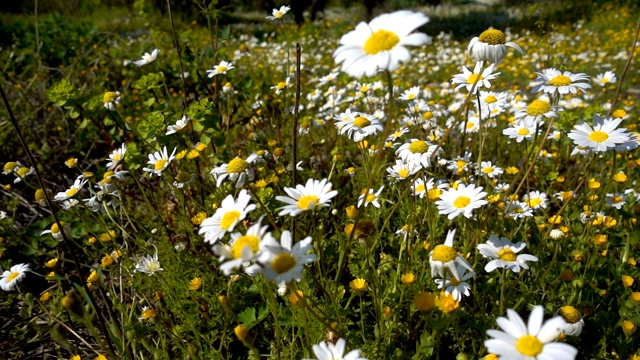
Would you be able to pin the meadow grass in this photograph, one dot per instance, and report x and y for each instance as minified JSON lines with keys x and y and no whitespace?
{"x":244,"y":197}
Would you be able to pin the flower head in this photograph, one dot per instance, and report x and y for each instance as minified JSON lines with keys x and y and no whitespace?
{"x":444,"y":257}
{"x":220,"y":69}
{"x":462,"y":200}
{"x":149,"y":264}
{"x":238,"y":170}
{"x":228,"y":215}
{"x":243,"y":249}
{"x":116,"y":157}
{"x":147,"y":58}
{"x":279,"y":13}
{"x":603,"y":136}
{"x":329,"y":351}
{"x":357,"y":125}
{"x":504,"y":254}
{"x":314,"y":193}
{"x":10,"y":278}
{"x":370,"y":197}
{"x":475,"y":79}
{"x":111,"y":99}
{"x":573,"y":319}
{"x":159,"y":161}
{"x":285,"y":261}
{"x":179,"y":125}
{"x":457,"y":287}
{"x":491,"y":46}
{"x":555,"y":81}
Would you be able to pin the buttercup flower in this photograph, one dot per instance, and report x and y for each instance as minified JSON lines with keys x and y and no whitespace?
{"x":147,"y":58}
{"x":381,"y":44}
{"x":313,"y":194}
{"x":491,"y":46}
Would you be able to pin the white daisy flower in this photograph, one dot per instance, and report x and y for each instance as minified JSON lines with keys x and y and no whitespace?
{"x":615,"y":200}
{"x":491,"y":46}
{"x":329,"y":351}
{"x":10,"y":278}
{"x":180,"y":124}
{"x":160,"y":160}
{"x":220,"y":69}
{"x":238,"y":170}
{"x":279,"y":13}
{"x":369,"y":197}
{"x":462,"y":200}
{"x":488,"y":169}
{"x":456,"y":287}
{"x":116,"y":156}
{"x":533,"y":341}
{"x":573,"y":320}
{"x":411,"y":94}
{"x":402,"y":170}
{"x":522,"y":129}
{"x":357,"y":125}
{"x":226,"y":217}
{"x":417,"y":151}
{"x":147,"y":58}
{"x":111,"y":99}
{"x":78,"y":184}
{"x":536,"y":200}
{"x":517,"y":210}
{"x":503,"y":253}
{"x":279,"y":87}
{"x":149,"y":264}
{"x":476,"y":78}
{"x":243,"y":249}
{"x":603,"y":136}
{"x":22,"y":172}
{"x":314,"y":193}
{"x":606,"y":78}
{"x":380,"y":45}
{"x":554,"y":81}
{"x":444,"y":257}
{"x":285,"y":260}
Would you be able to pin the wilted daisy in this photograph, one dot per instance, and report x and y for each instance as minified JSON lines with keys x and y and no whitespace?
{"x":147,"y":58}
{"x":475,"y":79}
{"x":55,"y":230}
{"x":226,"y":217}
{"x":444,"y":257}
{"x":402,"y":170}
{"x":10,"y":167}
{"x":77,"y":185}
{"x":279,"y":13}
{"x":491,"y":46}
{"x":455,"y":287}
{"x":504,"y":254}
{"x":369,"y":197}
{"x":418,"y":152}
{"x":22,"y":172}
{"x":220,"y":69}
{"x":10,"y":278}
{"x":329,"y":351}
{"x":554,"y":81}
{"x":533,"y":341}
{"x":357,"y":125}
{"x":180,"y":124}
{"x":160,"y":160}
{"x":116,"y":156}
{"x":148,"y":264}
{"x":238,"y":170}
{"x":523,"y":129}
{"x":285,"y":261}
{"x":573,"y":319}
{"x":462,"y":200}
{"x":606,"y":78}
{"x":603,"y":136}
{"x":243,"y":249}
{"x":313,"y":194}
{"x":111,"y":99}
{"x":380,"y":45}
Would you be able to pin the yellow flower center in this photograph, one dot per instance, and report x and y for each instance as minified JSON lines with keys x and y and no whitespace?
{"x":10,"y":166}
{"x":420,"y":188}
{"x":598,"y":136}
{"x":493,"y":37}
{"x":381,"y":40}
{"x":570,"y":314}
{"x":473,"y":78}
{"x":434,"y":194}
{"x":538,"y":107}
{"x":403,"y":173}
{"x":71,"y":192}
{"x":487,"y":170}
{"x":250,"y":241}
{"x":370,"y":198}
{"x":490,"y":99}
{"x":507,"y":255}
{"x":529,"y":345}
{"x":149,"y":314}
{"x":160,"y":164}
{"x":109,"y":97}
{"x":281,"y":85}
{"x":418,"y":147}
{"x":308,"y":202}
{"x":523,"y":132}
{"x":22,"y":172}
{"x":229,"y":219}
{"x":153,"y":266}
{"x":12,"y":276}
{"x":454,"y":282}
{"x":222,"y":69}
{"x":534,"y":202}
{"x":427,"y":115}
{"x":361,"y":121}
{"x":461,"y":201}
{"x":283,"y":263}
{"x":616,"y":199}
{"x":411,"y":96}
{"x":237,"y":165}
{"x":444,"y":253}
{"x":560,"y":80}
{"x":55,"y":229}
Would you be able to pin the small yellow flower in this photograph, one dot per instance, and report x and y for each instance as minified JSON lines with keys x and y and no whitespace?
{"x":148,"y":313}
{"x":560,"y":179}
{"x":425,"y":301}
{"x":408,"y":278}
{"x":93,"y":277}
{"x":92,"y":240}
{"x":512,"y":170}
{"x":627,"y":281}
{"x":101,"y":357}
{"x":198,"y":218}
{"x":358,"y":284}
{"x":200,"y":147}
{"x":195,"y":284}
{"x":295,"y":297}
{"x":447,"y":303}
{"x":426,"y":245}
{"x":351,"y":211}
{"x":45,"y":296}
{"x":635,"y":297}
{"x":51,"y":263}
{"x":620,"y":177}
{"x":241,"y":332}
{"x":50,"y":276}
{"x":600,"y":239}
{"x":107,"y":236}
{"x":75,"y":357}
{"x":491,"y":357}
{"x":386,"y":312}
{"x":593,"y":184}
{"x":72,"y":162}
{"x":628,"y":327}
{"x":348,"y":229}
{"x":555,"y":219}
{"x":192,"y":154}
{"x":107,"y":260}
{"x":181,"y":154}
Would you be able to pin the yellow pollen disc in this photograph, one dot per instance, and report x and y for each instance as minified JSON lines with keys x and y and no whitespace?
{"x":71,"y":192}
{"x":361,"y":121}
{"x":308,"y":202}
{"x":534,"y":202}
{"x":427,"y":115}
{"x":538,"y":107}
{"x":560,"y":80}
{"x":454,"y":282}
{"x":250,"y":241}
{"x":487,"y":170}
{"x":411,"y":96}
{"x":109,"y":97}
{"x":237,"y":165}
{"x":507,"y":255}
{"x":598,"y":136}
{"x":418,"y":147}
{"x":434,"y":194}
{"x":381,"y":40}
{"x":281,"y":85}
{"x":461,"y":202}
{"x":493,"y":37}
{"x":420,"y":188}
{"x":490,"y":99}
{"x":616,"y":199}
{"x":55,"y":229}
{"x":370,"y":198}
{"x":222,"y":69}
{"x":229,"y":219}
{"x":153,"y":266}
{"x":473,"y":78}
{"x":570,"y":314}
{"x":283,"y":263}
{"x":461,"y":163}
{"x":12,"y":276}
{"x":160,"y":164}
{"x":22,"y":171}
{"x":444,"y":253}
{"x":523,"y":132}
{"x":403,"y":173}
{"x":529,"y":345}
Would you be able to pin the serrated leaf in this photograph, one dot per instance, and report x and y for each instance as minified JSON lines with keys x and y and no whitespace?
{"x":247,"y":317}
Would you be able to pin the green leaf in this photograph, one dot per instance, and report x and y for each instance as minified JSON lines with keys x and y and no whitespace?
{"x":247,"y":317}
